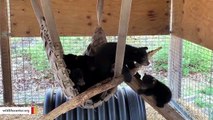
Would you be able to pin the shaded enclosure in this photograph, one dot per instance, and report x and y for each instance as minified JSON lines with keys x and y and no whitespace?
{"x":182,"y":27}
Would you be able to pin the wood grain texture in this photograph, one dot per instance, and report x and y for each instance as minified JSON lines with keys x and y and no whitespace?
{"x":5,"y":54}
{"x":78,"y":17}
{"x":193,"y":21}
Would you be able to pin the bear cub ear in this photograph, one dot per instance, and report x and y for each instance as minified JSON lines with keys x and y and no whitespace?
{"x":146,"y":48}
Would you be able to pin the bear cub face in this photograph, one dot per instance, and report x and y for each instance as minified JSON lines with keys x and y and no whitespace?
{"x":140,"y":56}
{"x":80,"y":68}
{"x":152,"y":87}
{"x":105,"y":58}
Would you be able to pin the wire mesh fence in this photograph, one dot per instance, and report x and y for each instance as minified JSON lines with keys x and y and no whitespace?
{"x":196,"y":91}
{"x":30,"y":70}
{"x":31,"y":74}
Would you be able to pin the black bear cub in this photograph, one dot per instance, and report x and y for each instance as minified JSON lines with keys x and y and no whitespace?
{"x":81,"y":67}
{"x":86,"y":71}
{"x":160,"y":92}
{"x":105,"y":59}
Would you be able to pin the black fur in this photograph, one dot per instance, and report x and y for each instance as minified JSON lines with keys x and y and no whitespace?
{"x":83,"y":72}
{"x":160,"y":92}
{"x":105,"y":58}
{"x":81,"y":68}
{"x":137,"y":76}
{"x":92,"y":70}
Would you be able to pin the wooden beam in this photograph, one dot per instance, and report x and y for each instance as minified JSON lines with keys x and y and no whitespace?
{"x":167,"y":111}
{"x":122,"y":34}
{"x":193,"y":21}
{"x":5,"y":54}
{"x":74,"y":17}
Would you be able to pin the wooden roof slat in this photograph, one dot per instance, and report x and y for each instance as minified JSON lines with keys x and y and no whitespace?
{"x":193,"y":21}
{"x":75,"y":18}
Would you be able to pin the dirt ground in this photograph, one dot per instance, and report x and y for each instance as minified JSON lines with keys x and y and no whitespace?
{"x":152,"y":114}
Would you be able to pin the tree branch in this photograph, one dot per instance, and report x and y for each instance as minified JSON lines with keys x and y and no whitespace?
{"x":83,"y":97}
{"x":97,"y":89}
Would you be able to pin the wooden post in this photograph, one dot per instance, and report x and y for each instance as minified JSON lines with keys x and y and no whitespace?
{"x":122,"y":33}
{"x":5,"y":54}
{"x":175,"y":66}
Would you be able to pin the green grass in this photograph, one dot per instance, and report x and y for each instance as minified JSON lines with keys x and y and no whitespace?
{"x":207,"y":91}
{"x":38,"y":57}
{"x":36,"y":53}
{"x":196,"y":59}
{"x":161,"y":60}
{"x":75,"y":45}
{"x":200,"y":102}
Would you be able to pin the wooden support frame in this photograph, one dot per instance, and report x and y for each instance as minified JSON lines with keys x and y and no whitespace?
{"x":5,"y":54}
{"x":122,"y":33}
{"x":75,"y":18}
{"x":193,"y":21}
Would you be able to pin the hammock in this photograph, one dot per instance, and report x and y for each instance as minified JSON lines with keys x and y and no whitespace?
{"x":55,"y":51}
